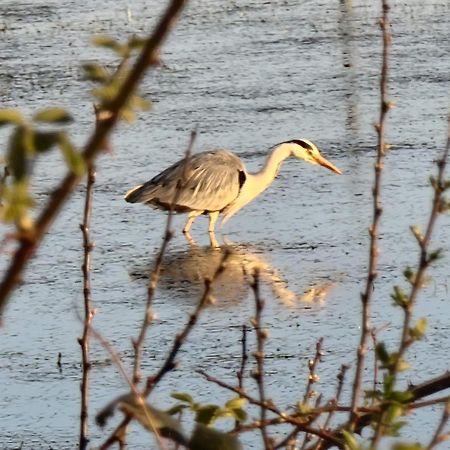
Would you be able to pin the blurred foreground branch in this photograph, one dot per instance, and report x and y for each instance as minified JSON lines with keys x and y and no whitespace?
{"x":29,"y":242}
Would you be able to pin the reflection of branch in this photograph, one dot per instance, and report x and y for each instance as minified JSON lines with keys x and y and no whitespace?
{"x":88,"y":312}
{"x":147,"y":58}
{"x":372,"y":274}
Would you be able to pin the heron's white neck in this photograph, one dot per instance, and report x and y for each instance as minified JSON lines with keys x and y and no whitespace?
{"x":256,"y":183}
{"x":261,"y":180}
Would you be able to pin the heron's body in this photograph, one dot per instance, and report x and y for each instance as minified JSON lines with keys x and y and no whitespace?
{"x":217,"y":182}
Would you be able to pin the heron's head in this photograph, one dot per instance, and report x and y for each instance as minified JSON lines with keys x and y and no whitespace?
{"x":306,"y":150}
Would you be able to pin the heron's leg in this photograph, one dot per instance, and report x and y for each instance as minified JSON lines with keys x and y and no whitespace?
{"x":190,"y":240}
{"x":191,"y":217}
{"x":213,"y":241}
{"x":213,"y":216}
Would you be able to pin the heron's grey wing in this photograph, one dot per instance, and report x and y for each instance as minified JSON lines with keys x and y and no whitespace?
{"x":213,"y":180}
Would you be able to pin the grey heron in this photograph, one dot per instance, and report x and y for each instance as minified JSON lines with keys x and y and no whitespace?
{"x":216,"y":182}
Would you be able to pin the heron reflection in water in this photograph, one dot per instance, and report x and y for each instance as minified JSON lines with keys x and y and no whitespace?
{"x":217,"y":182}
{"x":187,"y":270}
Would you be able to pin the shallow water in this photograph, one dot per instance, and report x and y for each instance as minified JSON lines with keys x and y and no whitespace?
{"x":249,"y":74}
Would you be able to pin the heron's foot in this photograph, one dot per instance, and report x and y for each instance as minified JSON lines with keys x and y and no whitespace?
{"x":213,"y":241}
{"x":190,"y":240}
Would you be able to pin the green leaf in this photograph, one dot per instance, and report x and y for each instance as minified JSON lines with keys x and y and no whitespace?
{"x":95,"y":72}
{"x":435,"y":255}
{"x":139,"y":103}
{"x":393,"y":412}
{"x":239,"y":414}
{"x":418,"y":331}
{"x":205,"y":438}
{"x":73,"y":158}
{"x":206,"y":414}
{"x":409,"y":274}
{"x":44,"y":141}
{"x":183,"y":397}
{"x":136,"y":43}
{"x":403,"y":446}
{"x":401,"y":396}
{"x":106,"y":93}
{"x":107,"y":42}
{"x":237,"y":402}
{"x":53,"y":115}
{"x":17,"y":155}
{"x":176,"y":409}
{"x":382,"y":353}
{"x":399,"y":297}
{"x":153,"y":419}
{"x":11,"y":117}
{"x":16,"y":205}
{"x":394,"y":429}
{"x":128,"y":115}
{"x":416,"y":231}
{"x":350,"y":440}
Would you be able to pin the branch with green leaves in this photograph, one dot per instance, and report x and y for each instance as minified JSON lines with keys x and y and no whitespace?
{"x":110,"y":114}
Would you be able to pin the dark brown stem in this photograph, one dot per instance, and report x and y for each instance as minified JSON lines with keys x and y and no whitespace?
{"x":88,"y":311}
{"x":155,"y":275}
{"x":147,"y":58}
{"x":372,"y":274}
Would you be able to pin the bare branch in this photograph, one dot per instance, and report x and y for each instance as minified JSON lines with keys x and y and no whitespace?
{"x":88,"y":311}
{"x":372,"y":274}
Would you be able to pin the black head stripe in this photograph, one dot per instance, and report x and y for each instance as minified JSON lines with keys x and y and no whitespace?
{"x":303,"y":144}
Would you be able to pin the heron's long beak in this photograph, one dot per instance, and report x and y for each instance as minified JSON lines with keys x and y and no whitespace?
{"x":325,"y":163}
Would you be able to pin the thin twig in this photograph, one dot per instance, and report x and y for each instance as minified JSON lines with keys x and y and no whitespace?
{"x":312,"y":378}
{"x":258,"y":373}
{"x":425,"y":260}
{"x":334,"y":402}
{"x":147,"y":58}
{"x":88,"y":310}
{"x":372,"y":274}
{"x":155,"y":275}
